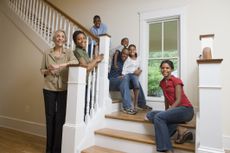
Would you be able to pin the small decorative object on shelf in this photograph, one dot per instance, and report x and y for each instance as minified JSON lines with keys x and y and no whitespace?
{"x":207,"y":53}
{"x":207,"y":45}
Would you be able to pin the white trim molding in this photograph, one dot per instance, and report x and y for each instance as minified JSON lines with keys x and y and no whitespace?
{"x":23,"y":125}
{"x":145,"y":19}
{"x":226,"y":142}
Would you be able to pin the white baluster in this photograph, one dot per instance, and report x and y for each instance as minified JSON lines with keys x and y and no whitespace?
{"x":46,"y":23}
{"x":48,"y":28}
{"x":32,"y":13}
{"x":42,"y":19}
{"x":53,"y":20}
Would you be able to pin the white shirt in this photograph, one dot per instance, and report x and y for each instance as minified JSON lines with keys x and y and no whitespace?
{"x":130,"y":65}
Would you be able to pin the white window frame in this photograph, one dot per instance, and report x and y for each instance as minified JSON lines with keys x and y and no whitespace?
{"x":147,"y":18}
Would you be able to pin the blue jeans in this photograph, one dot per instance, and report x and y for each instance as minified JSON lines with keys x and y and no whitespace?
{"x":165,"y":124}
{"x":124,"y":85}
{"x":134,"y":80}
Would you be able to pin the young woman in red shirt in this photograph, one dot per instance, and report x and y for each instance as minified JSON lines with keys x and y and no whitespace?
{"x":178,"y":109}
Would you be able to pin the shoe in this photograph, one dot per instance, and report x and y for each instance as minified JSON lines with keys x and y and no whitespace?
{"x":129,"y":111}
{"x":145,"y":107}
{"x":187,"y":135}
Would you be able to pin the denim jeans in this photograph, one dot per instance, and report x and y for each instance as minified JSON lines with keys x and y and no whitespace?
{"x":165,"y":124}
{"x":134,"y":81}
{"x":124,"y":85}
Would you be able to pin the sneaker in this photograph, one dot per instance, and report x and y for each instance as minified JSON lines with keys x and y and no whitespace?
{"x":145,"y":107}
{"x":129,"y":111}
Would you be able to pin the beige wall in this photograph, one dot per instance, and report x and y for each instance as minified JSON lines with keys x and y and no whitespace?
{"x":202,"y":17}
{"x":21,"y":82}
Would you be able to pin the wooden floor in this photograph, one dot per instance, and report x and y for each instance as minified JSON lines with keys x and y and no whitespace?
{"x":12,"y":141}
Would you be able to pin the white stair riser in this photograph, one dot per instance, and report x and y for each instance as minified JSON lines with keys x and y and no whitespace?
{"x":137,"y":127}
{"x":128,"y":146}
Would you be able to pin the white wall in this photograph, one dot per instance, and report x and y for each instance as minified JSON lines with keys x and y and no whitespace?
{"x":202,"y":17}
{"x":21,"y":101}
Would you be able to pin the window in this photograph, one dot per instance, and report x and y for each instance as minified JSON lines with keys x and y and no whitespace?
{"x":163,"y":44}
{"x":162,"y":36}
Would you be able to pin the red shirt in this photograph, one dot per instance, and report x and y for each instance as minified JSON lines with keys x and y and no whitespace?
{"x":169,"y":89}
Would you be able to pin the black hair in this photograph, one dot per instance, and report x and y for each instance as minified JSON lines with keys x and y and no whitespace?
{"x":76,"y":33}
{"x":170,"y":63}
{"x":132,"y":45}
{"x":96,"y":17}
{"x":123,"y":39}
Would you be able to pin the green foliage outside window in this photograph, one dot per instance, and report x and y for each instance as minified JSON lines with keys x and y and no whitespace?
{"x":154,"y":74}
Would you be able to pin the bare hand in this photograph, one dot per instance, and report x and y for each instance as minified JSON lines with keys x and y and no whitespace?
{"x":99,"y":58}
{"x":137,"y":71}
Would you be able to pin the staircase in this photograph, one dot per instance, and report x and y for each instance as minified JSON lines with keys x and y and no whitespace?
{"x":131,"y":134}
{"x":106,"y":129}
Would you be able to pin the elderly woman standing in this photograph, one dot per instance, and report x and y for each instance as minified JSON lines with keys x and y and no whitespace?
{"x":54,"y":68}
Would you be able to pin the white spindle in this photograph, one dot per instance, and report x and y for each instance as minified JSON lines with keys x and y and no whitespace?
{"x":61,"y":24}
{"x":24,"y":11}
{"x":46,"y":35}
{"x":72,"y":45}
{"x":39,"y":17}
{"x":48,"y":28}
{"x":27,"y":11}
{"x":88,"y":98}
{"x":30,"y":13}
{"x":65,"y":24}
{"x":97,"y":91}
{"x":53,"y":20}
{"x":22,"y":8}
{"x":93,"y":92}
{"x":36,"y":20}
{"x":57,"y":20}
{"x":16,"y":7}
{"x":19,"y":7}
{"x":42,"y":19}
{"x":33,"y":13}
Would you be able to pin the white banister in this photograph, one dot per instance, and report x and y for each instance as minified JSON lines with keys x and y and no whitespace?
{"x":209,"y":130}
{"x":74,"y":127}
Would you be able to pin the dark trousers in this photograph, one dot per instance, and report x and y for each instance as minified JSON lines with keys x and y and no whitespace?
{"x":55,"y":110}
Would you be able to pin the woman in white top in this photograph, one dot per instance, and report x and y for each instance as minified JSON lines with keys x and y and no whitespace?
{"x":132,"y":68}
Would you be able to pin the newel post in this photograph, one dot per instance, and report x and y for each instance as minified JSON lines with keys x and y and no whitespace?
{"x":74,"y":126}
{"x":104,"y":47}
{"x":209,"y":131}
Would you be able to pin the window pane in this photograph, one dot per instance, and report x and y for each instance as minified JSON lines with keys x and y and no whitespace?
{"x":154,"y":77}
{"x":163,"y":44}
{"x":176,"y":68}
{"x":155,"y":40}
{"x":170,"y":39}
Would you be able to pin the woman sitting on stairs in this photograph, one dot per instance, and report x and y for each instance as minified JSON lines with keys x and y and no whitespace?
{"x":178,"y":109}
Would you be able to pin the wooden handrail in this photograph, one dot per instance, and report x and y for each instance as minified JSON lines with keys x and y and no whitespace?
{"x":73,"y":21}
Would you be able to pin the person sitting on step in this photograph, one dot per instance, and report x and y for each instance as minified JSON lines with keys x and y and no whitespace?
{"x":178,"y":110}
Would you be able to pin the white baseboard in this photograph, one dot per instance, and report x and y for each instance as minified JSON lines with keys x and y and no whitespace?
{"x":209,"y":150}
{"x":226,"y":141}
{"x":23,"y":125}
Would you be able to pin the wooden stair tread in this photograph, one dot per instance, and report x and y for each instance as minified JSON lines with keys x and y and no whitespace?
{"x":142,"y":138}
{"x":116,"y":100}
{"x":139,"y":117}
{"x":98,"y":149}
